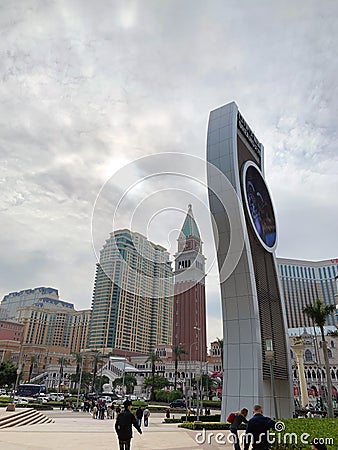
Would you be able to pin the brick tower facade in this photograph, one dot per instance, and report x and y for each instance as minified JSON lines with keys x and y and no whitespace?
{"x":189,"y":319}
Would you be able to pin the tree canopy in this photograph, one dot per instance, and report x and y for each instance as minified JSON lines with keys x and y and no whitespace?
{"x":7,"y":373}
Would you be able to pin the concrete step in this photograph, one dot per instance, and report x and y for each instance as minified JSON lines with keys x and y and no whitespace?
{"x":29,"y":416}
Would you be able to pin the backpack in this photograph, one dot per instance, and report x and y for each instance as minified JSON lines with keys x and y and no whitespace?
{"x":231,"y":417}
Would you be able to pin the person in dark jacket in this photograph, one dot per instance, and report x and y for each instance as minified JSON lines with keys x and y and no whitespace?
{"x":123,"y":426}
{"x":257,"y":430}
{"x":240,"y":418}
{"x":139,"y":415}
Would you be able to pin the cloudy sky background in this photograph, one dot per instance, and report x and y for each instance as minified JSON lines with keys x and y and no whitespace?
{"x":88,"y":87}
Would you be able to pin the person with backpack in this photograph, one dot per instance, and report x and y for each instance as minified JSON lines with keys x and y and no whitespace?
{"x":238,"y":418}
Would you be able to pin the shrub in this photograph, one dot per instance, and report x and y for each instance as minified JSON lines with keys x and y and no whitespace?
{"x":206,"y":426}
{"x":162,"y":396}
{"x":211,"y":418}
{"x":172,"y":420}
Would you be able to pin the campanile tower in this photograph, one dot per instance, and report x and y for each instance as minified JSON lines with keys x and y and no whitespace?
{"x":189,"y":319}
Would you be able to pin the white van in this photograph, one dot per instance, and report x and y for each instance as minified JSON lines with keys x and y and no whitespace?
{"x":55,"y":397}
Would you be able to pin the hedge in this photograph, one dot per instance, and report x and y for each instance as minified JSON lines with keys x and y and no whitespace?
{"x":315,"y":427}
{"x":210,"y":418}
{"x":297,"y":435}
{"x":208,"y":426}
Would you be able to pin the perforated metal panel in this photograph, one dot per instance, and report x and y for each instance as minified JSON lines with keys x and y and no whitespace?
{"x":269,"y":301}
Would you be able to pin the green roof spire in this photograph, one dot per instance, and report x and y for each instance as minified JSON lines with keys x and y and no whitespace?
{"x":189,"y":228}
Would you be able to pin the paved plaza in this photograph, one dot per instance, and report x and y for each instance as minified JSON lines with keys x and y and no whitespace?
{"x":79,"y":431}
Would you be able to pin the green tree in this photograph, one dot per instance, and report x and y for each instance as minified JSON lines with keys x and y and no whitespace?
{"x":96,"y":359}
{"x":129,"y":381}
{"x":100,"y":381}
{"x":7,"y":373}
{"x":79,"y":359}
{"x":62,"y":362}
{"x":153,"y":358}
{"x":86,"y":379}
{"x":178,"y":350}
{"x":319,"y":313}
{"x":160,"y":382}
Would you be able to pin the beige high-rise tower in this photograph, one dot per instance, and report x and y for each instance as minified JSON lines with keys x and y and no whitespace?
{"x":132,"y":298}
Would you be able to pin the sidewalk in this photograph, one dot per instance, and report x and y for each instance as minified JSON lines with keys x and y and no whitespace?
{"x":72,"y":431}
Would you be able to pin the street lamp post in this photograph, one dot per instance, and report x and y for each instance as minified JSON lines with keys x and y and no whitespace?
{"x":190,"y":384}
{"x":79,"y":386}
{"x":200,"y":382}
{"x":270,"y":356}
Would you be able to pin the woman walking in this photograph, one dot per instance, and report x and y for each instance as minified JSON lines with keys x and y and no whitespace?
{"x":240,"y":417}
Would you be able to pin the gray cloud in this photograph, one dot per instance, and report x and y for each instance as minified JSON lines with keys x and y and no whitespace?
{"x":87,"y":87}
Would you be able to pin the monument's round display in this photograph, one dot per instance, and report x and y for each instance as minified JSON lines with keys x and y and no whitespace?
{"x":259,"y":205}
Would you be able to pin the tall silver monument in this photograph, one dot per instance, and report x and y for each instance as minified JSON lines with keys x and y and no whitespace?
{"x":256,"y":367}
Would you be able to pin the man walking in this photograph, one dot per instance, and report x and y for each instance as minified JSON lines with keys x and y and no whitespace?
{"x":139,"y":415}
{"x":123,"y":426}
{"x":257,"y":430}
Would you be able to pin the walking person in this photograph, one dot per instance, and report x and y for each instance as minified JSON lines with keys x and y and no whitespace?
{"x":240,"y":417}
{"x":139,"y":415}
{"x":146,"y":414}
{"x":257,"y":430}
{"x":123,"y":426}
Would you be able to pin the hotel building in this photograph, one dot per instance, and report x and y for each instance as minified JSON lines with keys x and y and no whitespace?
{"x":304,"y":281}
{"x":133,"y":295}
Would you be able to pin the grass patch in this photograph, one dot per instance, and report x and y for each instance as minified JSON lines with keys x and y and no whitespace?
{"x":310,"y":429}
{"x":297,"y":435}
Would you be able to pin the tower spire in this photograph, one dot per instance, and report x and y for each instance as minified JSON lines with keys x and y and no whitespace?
{"x":189,"y":228}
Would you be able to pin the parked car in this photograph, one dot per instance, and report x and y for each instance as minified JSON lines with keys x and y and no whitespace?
{"x":55,"y":397}
{"x":179,"y":403}
{"x":21,"y":400}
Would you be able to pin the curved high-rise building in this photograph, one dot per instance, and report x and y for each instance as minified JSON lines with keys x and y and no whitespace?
{"x":132,"y":298}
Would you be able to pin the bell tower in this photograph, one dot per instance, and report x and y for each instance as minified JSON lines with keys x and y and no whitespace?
{"x":189,"y":320}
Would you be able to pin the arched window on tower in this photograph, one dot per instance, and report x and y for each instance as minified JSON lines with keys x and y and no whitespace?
{"x":308,"y":355}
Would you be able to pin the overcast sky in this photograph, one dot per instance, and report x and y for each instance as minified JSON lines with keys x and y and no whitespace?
{"x":88,"y":87}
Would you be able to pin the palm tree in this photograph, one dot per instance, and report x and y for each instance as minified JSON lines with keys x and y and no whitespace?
{"x":79,"y":358}
{"x":33,"y":361}
{"x":319,"y":312}
{"x":178,"y":350}
{"x":97,"y":358}
{"x":220,"y":344}
{"x":62,"y":361}
{"x":153,"y":358}
{"x":128,"y":380}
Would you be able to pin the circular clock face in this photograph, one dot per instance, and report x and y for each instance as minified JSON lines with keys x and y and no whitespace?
{"x":259,"y":206}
